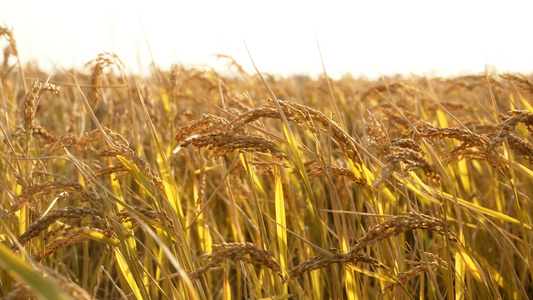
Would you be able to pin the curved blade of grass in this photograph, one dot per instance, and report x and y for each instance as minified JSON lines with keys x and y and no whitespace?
{"x":461,"y":260}
{"x":184,"y":252}
{"x":189,"y":287}
{"x":204,"y":232}
{"x":126,"y":272}
{"x":138,"y":176}
{"x":330,"y":88}
{"x":257,"y":182}
{"x":476,"y":207}
{"x":280,"y":219}
{"x":20,"y":269}
{"x":166,"y":102}
{"x":472,"y":265}
{"x":371,"y":274}
{"x":89,"y":109}
{"x":169,"y":183}
{"x":296,"y":154}
{"x":118,"y":192}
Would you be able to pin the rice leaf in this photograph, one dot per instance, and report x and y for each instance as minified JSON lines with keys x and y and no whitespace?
{"x":17,"y":267}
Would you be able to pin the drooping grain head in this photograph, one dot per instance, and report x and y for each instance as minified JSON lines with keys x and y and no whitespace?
{"x":103,"y":61}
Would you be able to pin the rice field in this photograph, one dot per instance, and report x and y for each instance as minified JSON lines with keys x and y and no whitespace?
{"x":192,"y":184}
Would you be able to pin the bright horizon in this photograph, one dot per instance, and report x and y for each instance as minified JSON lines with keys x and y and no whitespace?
{"x":362,"y":38}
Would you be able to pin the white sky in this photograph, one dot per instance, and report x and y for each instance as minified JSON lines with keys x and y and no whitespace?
{"x":361,"y":37}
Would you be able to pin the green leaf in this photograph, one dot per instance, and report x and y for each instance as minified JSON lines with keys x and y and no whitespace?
{"x":20,"y":269}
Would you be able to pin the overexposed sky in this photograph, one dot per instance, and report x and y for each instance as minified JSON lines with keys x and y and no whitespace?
{"x":360,"y":37}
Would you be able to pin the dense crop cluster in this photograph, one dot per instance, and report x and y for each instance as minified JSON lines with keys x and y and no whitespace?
{"x":192,"y":184}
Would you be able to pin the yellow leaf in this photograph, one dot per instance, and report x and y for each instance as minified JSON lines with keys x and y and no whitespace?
{"x":125,"y":269}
